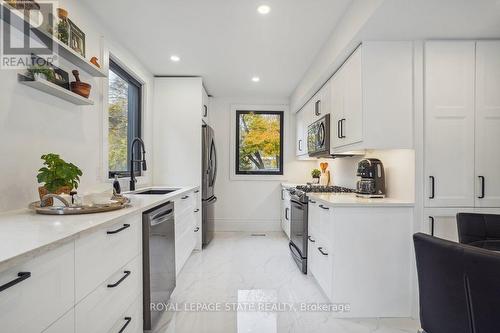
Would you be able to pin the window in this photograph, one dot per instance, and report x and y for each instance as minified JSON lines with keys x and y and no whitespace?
{"x":259,"y":143}
{"x":124,"y":118}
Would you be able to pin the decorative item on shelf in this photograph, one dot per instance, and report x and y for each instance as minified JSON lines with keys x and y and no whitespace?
{"x":57,"y":176}
{"x":316,"y":174}
{"x":41,"y":69}
{"x":324,"y":179}
{"x":93,"y":61}
{"x":78,"y":87}
{"x":23,"y":4}
{"x":76,"y":38}
{"x":63,"y":26}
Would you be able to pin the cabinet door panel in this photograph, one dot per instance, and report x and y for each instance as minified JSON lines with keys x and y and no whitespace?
{"x":487,"y":123}
{"x":449,"y":123}
{"x":336,"y":109}
{"x":352,"y":126}
{"x":300,"y":142}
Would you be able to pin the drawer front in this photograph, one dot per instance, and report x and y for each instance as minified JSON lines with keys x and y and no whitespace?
{"x":65,"y":324}
{"x":184,"y":246}
{"x":131,"y":320}
{"x":324,"y":269}
{"x":184,"y":203}
{"x":100,"y":254}
{"x":100,"y":311}
{"x":185,"y":223}
{"x":35,"y":303}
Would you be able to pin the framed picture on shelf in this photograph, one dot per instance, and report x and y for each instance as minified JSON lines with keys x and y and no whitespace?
{"x":76,"y":38}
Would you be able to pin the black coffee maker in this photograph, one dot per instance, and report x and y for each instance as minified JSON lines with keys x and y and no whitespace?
{"x":372,"y":181}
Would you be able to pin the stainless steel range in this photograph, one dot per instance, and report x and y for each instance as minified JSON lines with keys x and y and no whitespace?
{"x":299,"y":203}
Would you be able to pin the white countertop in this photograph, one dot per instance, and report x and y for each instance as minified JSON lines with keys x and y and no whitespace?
{"x":24,"y":234}
{"x":350,"y":200}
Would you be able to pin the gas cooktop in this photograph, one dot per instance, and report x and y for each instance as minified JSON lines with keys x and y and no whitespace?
{"x":323,"y":189}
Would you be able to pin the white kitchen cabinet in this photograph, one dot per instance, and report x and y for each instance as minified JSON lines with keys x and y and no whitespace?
{"x":33,"y":304}
{"x":321,"y":103}
{"x":187,"y":228}
{"x":487,"y":136}
{"x":361,"y":256}
{"x":301,"y":123}
{"x":449,"y":123}
{"x":462,"y":124}
{"x":285,"y":211}
{"x":346,"y":93}
{"x":107,"y":305}
{"x":99,"y":254}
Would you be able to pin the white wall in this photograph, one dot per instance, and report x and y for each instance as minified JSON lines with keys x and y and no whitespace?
{"x":33,"y":123}
{"x":250,"y":205}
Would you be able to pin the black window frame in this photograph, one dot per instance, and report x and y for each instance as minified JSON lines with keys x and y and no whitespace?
{"x":135,"y":115}
{"x":237,"y":170}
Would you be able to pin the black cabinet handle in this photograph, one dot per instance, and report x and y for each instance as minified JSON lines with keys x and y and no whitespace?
{"x":185,"y":197}
{"x":197,"y":191}
{"x":196,"y":229}
{"x":21,"y":276}
{"x":117,"y":283}
{"x":125,"y":226}
{"x":325,"y":208}
{"x":481,"y":178}
{"x":310,"y":239}
{"x":342,"y":122}
{"x":196,"y":210}
{"x":286,"y":213}
{"x":320,"y":249}
{"x":311,"y":201}
{"x":282,"y":194}
{"x":127,"y":321}
{"x":205,"y":110}
{"x":300,"y":145}
{"x":433,"y":184}
{"x":431,"y":220}
{"x":338,"y":129}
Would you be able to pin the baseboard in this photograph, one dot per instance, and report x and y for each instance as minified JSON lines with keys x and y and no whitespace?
{"x":253,"y":225}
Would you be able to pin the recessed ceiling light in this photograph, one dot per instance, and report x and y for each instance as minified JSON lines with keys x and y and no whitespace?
{"x":256,"y":79}
{"x":175,"y":58}
{"x":264,"y":9}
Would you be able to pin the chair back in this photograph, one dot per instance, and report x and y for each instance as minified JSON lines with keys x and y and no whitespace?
{"x":473,"y":227}
{"x":443,"y":298}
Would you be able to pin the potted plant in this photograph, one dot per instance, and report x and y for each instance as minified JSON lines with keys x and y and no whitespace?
{"x":316,"y":174}
{"x":57,"y":176}
{"x":42,"y":71}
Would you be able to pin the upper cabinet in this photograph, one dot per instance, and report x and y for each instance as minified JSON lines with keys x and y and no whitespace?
{"x":302,"y":120}
{"x":369,"y":99}
{"x":462,"y":124}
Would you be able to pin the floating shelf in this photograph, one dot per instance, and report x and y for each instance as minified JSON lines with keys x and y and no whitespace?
{"x":64,"y":51}
{"x":55,"y":90}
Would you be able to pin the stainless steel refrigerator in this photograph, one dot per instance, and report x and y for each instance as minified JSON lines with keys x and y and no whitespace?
{"x":209,"y":175}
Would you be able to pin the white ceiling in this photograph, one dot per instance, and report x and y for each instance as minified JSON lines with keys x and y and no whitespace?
{"x":225,"y":41}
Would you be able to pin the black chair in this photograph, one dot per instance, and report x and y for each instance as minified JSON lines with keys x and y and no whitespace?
{"x":477,"y":227}
{"x":443,"y":301}
{"x":459,"y":286}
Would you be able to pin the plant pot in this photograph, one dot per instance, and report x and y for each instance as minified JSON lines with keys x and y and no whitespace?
{"x":42,"y":191}
{"x":40,"y":77}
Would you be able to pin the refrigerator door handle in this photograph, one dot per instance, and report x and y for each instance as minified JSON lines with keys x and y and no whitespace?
{"x":213,"y":161}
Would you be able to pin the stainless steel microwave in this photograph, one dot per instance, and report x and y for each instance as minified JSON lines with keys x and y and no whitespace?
{"x":318,"y":137}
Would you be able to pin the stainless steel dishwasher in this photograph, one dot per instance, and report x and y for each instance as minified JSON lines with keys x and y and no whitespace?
{"x":158,"y":251}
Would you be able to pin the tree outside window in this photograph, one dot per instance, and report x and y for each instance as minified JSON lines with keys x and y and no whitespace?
{"x":259,"y":138}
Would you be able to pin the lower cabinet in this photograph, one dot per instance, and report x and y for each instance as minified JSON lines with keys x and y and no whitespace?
{"x":45,"y":295}
{"x":361,"y":257}
{"x":187,"y":228}
{"x":442,"y":222}
{"x":285,"y":211}
{"x":42,"y":290}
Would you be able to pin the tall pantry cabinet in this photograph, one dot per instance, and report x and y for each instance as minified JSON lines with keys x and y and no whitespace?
{"x":461,"y":130}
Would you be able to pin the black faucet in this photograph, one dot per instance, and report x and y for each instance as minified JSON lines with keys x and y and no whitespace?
{"x":132,"y":161}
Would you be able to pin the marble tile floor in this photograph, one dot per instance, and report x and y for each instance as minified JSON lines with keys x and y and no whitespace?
{"x":230,"y":285}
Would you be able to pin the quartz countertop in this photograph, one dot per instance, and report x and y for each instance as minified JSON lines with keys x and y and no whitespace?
{"x":351,"y":200}
{"x":25,"y":234}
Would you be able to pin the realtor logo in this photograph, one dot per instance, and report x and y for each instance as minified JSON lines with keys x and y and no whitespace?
{"x":26,"y":33}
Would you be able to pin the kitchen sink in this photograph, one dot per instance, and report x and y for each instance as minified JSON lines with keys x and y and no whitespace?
{"x":157,"y":191}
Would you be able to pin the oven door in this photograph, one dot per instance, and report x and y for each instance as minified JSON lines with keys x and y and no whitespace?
{"x":298,"y":227}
